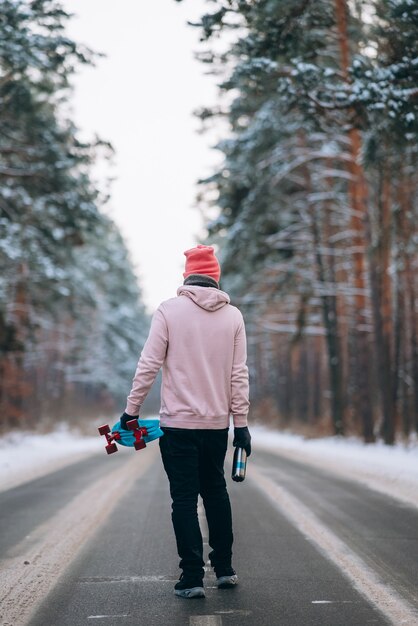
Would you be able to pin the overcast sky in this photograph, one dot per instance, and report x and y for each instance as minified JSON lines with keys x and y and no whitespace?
{"x":141,"y":98}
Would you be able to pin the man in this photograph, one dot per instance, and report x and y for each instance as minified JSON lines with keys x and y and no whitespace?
{"x":198,"y":338}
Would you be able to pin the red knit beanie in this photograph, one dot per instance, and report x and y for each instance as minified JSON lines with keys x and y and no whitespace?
{"x":202,"y":260}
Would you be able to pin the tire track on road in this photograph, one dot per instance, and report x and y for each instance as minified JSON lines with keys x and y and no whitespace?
{"x":25,"y":581}
{"x":382,"y":595}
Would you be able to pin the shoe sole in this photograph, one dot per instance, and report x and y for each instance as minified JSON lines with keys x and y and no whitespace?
{"x":194,"y":592}
{"x":227,"y":582}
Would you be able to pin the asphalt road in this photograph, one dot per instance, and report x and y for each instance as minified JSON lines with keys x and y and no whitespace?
{"x":124,"y":573}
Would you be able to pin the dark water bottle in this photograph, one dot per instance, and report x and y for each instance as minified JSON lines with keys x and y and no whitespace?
{"x":239,"y":465}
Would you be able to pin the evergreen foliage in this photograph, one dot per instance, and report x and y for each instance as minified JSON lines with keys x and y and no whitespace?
{"x":71,"y":316}
{"x":315,"y":201}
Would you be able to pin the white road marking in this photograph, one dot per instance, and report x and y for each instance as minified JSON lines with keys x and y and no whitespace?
{"x":332,"y":602}
{"x":123,"y":579}
{"x":323,"y":602}
{"x":234,"y":612}
{"x":205,"y":620}
{"x":107,"y":616}
{"x":382,"y":595}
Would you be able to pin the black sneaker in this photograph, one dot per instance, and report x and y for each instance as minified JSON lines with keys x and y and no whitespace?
{"x":226,"y":578}
{"x":189,"y":587}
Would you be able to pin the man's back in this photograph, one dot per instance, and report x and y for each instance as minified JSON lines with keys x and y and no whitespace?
{"x":204,"y":369}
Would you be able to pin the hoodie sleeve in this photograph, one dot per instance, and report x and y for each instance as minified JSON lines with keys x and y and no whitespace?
{"x":239,"y":379}
{"x":151,"y":359}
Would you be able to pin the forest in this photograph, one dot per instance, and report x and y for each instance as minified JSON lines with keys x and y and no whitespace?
{"x":314,"y":207}
{"x":72,"y":320}
{"x":313,"y":211}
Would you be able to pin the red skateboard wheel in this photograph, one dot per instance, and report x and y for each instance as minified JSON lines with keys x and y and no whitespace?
{"x":140,"y":445}
{"x":111,"y":448}
{"x":132,"y":424}
{"x":103,"y":430}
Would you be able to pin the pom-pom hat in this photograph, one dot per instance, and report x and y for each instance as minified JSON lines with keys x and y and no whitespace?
{"x":202,"y":260}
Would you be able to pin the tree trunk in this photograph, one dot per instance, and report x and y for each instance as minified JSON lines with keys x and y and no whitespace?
{"x":330,"y":321}
{"x":358,"y":200}
{"x":382,"y":310}
{"x":406,"y":230}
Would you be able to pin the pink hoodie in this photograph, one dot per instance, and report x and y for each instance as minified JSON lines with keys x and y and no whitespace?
{"x":199,"y":340}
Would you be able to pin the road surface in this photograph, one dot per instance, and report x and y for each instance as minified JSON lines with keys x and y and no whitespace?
{"x":92,"y":544}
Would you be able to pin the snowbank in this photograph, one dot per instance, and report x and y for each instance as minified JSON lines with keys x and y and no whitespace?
{"x":25,"y":456}
{"x":390,"y":470}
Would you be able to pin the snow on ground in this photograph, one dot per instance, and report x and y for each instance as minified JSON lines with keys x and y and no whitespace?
{"x":25,"y":456}
{"x":392,"y":470}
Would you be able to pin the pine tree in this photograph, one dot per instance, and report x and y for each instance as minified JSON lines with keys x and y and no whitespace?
{"x":71,"y":316}
{"x":322,"y":117}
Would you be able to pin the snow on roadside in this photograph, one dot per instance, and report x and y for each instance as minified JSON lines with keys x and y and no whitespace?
{"x":25,"y":456}
{"x":390,"y":470}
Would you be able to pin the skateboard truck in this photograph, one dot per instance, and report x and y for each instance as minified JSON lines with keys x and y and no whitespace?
{"x":111,"y":446}
{"x":139,"y":432}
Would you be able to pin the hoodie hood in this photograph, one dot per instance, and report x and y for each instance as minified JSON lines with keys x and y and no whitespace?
{"x":208,"y":298}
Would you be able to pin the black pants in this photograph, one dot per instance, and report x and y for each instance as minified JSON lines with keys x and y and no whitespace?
{"x":194,"y":462}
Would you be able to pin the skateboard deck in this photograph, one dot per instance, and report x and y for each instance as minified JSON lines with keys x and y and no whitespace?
{"x":139,"y":433}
